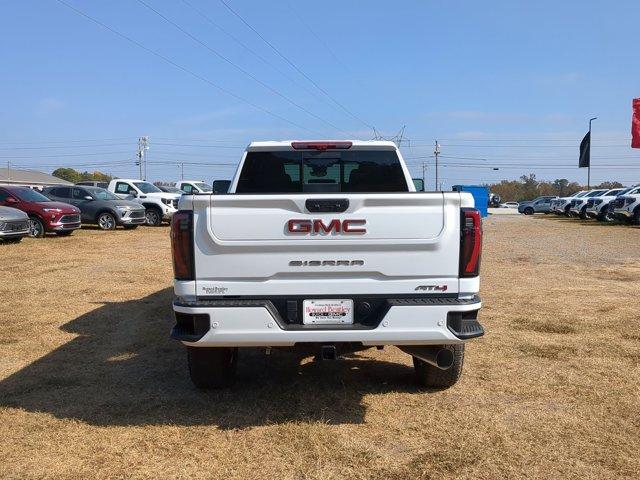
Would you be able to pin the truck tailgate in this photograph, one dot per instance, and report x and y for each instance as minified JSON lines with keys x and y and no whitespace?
{"x":246,"y":245}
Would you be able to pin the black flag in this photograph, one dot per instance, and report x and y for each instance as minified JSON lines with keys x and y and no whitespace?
{"x":585,"y":151}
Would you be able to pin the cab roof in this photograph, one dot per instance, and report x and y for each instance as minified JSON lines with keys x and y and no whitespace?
{"x":354,"y":144}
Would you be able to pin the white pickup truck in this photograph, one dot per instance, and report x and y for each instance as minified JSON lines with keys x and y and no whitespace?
{"x":627,"y":207}
{"x":327,"y":248}
{"x":159,"y":205}
{"x":194,"y":186}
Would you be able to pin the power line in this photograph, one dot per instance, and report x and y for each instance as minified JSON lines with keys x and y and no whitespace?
{"x":527,"y":146}
{"x":319,"y":38}
{"x":67,"y":141}
{"x":201,"y":146}
{"x":247,"y":48}
{"x":66,"y":155}
{"x":194,"y":140}
{"x":295,"y":67}
{"x":180,"y":67}
{"x":64,"y":146}
{"x":532,"y":167}
{"x":238,"y":67}
{"x":447,"y":156}
{"x":79,"y":165}
{"x":526,"y":139}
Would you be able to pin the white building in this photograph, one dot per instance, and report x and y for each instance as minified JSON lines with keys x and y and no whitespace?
{"x":29,"y":178}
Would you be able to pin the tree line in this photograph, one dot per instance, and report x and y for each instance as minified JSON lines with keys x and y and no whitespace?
{"x":527,"y":187}
{"x":73,"y":176}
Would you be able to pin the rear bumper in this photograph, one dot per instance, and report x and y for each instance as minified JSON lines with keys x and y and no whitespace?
{"x":245,"y":323}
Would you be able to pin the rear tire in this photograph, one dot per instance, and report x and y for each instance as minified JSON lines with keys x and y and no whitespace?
{"x":636,"y":217}
{"x":212,"y":367}
{"x":154,"y":217}
{"x":432,"y":377}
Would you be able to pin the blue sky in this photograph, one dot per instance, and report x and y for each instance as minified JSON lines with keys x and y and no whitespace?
{"x":501,"y":84}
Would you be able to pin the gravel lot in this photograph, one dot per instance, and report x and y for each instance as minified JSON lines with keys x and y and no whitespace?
{"x":91,"y":385}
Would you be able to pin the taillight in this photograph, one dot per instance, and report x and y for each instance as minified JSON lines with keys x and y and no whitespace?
{"x":182,"y":245}
{"x":470,"y":242}
{"x":321,"y":145}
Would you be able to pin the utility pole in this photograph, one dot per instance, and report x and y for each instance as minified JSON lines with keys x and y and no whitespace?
{"x":8,"y":169}
{"x":181,"y":170}
{"x":424,"y":175}
{"x":142,"y":155}
{"x":436,"y":152}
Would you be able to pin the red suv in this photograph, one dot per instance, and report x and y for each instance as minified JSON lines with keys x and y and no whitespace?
{"x":44,"y":215}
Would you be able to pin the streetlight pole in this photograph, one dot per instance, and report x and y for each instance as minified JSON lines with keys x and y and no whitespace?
{"x":589,"y":166}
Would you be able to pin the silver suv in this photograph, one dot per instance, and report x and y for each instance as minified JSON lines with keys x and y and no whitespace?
{"x":14,"y":224}
{"x":538,"y":205}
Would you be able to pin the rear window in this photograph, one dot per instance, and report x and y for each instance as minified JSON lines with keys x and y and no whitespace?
{"x":331,"y":171}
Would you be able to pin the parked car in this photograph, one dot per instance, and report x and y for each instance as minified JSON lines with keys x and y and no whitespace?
{"x":194,"y":186}
{"x":14,"y":224}
{"x":561,"y":206}
{"x":627,"y":207}
{"x":578,"y":206}
{"x":509,"y":205}
{"x":91,"y":183}
{"x":99,"y":206}
{"x":599,"y":208}
{"x":45,"y":215}
{"x":538,"y":205}
{"x":169,"y":189}
{"x":158,"y":204}
{"x":249,"y":275}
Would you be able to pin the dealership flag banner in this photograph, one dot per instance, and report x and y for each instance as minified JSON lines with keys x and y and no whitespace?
{"x":585,"y":151}
{"x":635,"y":124}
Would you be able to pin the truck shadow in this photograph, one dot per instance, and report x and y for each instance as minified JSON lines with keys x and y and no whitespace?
{"x":122,"y":369}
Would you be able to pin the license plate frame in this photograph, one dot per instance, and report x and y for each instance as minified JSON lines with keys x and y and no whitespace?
{"x":327,"y":311}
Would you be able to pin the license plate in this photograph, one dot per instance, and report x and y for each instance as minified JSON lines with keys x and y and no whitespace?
{"x":338,"y":311}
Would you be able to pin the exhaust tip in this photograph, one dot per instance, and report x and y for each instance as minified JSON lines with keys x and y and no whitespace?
{"x":444,"y":358}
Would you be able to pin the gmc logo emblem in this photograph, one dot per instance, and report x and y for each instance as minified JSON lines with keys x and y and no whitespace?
{"x":349,"y":226}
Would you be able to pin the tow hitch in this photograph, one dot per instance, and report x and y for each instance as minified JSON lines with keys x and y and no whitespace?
{"x":328,"y":352}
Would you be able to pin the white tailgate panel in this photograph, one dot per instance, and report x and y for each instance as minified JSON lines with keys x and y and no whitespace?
{"x":243,"y":246}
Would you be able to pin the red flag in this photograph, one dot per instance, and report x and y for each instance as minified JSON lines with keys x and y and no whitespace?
{"x":635,"y":124}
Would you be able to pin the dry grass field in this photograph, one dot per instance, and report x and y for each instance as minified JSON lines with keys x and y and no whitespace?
{"x":92,"y":386}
